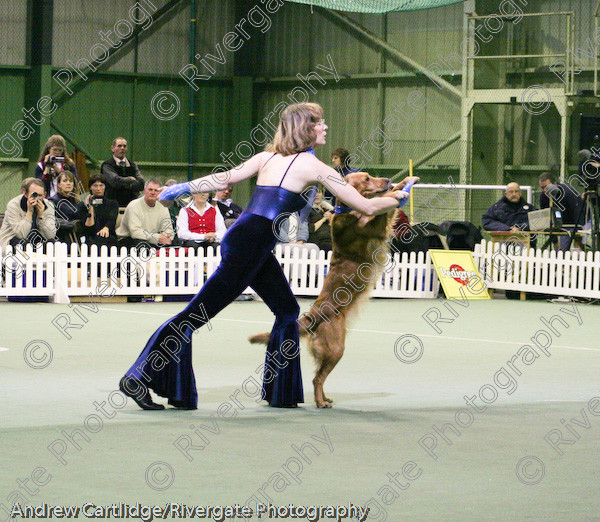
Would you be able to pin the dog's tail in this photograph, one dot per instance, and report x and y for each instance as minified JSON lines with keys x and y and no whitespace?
{"x":307,"y":324}
{"x":262,"y":338}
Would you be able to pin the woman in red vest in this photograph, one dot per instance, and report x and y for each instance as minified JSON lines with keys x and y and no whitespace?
{"x":199,"y":223}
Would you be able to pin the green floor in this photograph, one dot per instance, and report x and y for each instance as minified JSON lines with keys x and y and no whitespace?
{"x":385,"y":413}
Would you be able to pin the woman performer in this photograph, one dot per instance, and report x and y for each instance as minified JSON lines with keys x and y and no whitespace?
{"x":165,"y":364}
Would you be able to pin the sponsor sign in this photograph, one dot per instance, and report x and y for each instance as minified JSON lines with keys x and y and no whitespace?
{"x":458,"y":274}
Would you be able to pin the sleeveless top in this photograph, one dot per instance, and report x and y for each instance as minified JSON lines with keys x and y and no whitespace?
{"x":270,"y":201}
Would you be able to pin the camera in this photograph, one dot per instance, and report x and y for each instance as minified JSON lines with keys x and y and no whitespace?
{"x":35,"y":195}
{"x":54,"y":159}
{"x":96,"y":200}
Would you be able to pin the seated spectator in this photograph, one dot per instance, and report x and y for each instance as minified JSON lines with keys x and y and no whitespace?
{"x":228,"y":208}
{"x":70,"y":212}
{"x":29,"y":218}
{"x":291,"y":230}
{"x":200,"y":223}
{"x":146,"y":222}
{"x":565,"y":198}
{"x":54,"y":160}
{"x":319,"y":222}
{"x":339,"y":160}
{"x":123,"y":178}
{"x":99,"y":226}
{"x":509,"y":213}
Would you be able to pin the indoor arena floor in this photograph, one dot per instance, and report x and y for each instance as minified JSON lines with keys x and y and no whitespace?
{"x":400,"y":439}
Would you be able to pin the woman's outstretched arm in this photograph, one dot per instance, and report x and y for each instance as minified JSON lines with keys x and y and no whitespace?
{"x":217,"y":180}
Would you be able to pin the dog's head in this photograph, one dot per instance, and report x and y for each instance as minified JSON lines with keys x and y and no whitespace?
{"x":367,"y":185}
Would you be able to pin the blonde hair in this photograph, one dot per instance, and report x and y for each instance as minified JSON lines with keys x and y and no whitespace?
{"x":56,"y":140}
{"x":296,"y":130}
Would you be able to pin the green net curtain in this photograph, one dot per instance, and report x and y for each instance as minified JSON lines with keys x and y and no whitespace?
{"x":377,"y":6}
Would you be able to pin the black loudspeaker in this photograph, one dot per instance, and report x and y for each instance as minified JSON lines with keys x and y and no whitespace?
{"x":589,"y":135}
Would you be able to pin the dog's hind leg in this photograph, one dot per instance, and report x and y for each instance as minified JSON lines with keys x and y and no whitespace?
{"x":327,"y":347}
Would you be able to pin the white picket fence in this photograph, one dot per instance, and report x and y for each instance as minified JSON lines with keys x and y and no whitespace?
{"x":102,"y":272}
{"x":510,"y":267}
{"x":89,"y":271}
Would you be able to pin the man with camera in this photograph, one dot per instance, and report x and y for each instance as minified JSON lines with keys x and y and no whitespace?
{"x":123,"y":178}
{"x":99,"y":227}
{"x":563,"y":197}
{"x":29,"y":218}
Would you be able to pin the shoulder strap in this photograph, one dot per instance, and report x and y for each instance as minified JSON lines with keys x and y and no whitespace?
{"x":286,"y":170}
{"x":268,"y":160}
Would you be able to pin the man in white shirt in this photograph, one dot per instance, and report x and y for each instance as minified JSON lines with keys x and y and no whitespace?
{"x":200,"y":222}
{"x":147,"y":221}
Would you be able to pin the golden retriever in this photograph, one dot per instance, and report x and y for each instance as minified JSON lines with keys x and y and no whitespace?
{"x":360,"y":247}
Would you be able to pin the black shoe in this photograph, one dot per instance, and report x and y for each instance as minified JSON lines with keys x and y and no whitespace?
{"x":143,"y":400}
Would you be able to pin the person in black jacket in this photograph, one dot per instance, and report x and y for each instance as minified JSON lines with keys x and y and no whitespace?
{"x":564,"y":197}
{"x":70,"y":212}
{"x":123,"y":178}
{"x":229,"y":210}
{"x":509,"y":213}
{"x":99,"y":227}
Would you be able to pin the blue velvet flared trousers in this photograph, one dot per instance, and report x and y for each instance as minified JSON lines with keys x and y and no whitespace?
{"x":165,"y":364}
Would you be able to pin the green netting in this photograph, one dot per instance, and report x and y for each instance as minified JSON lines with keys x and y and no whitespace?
{"x":377,"y":6}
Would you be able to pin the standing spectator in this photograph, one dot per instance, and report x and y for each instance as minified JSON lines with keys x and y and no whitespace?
{"x":200,"y":223}
{"x":29,"y":218}
{"x":509,"y":213}
{"x":145,"y":221}
{"x":99,"y":226}
{"x":319,"y":222}
{"x":70,"y":212}
{"x":54,"y":160}
{"x":123,"y":178}
{"x":565,"y":198}
{"x":339,"y":160}
{"x":228,"y":208}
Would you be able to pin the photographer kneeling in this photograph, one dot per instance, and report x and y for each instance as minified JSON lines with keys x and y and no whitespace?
{"x":70,"y":212}
{"x":99,"y":227}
